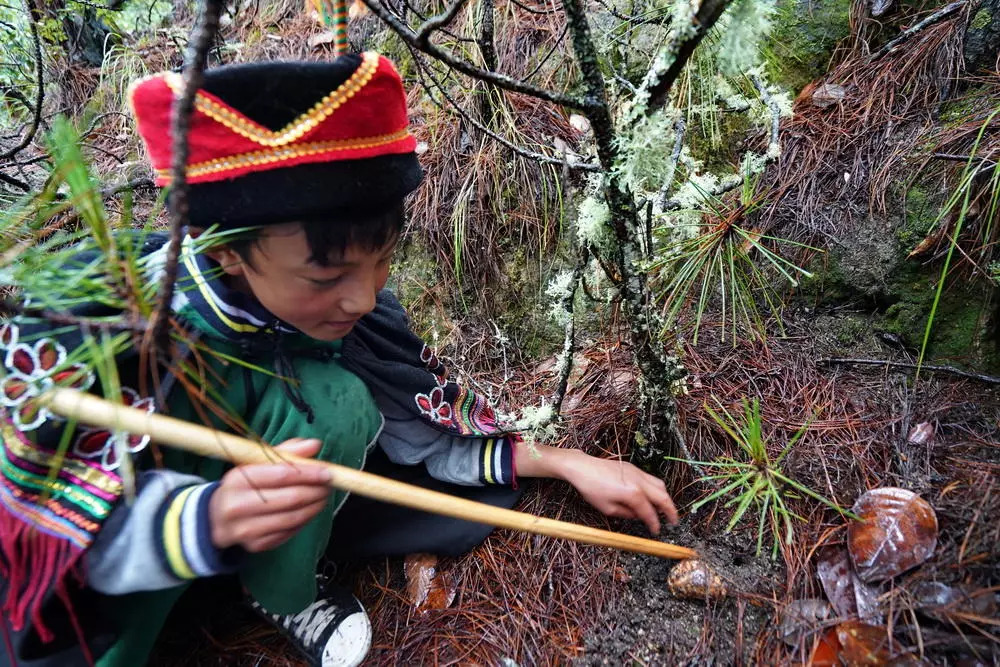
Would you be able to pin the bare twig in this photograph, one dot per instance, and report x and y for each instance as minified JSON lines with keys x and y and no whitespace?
{"x":195,"y":62}
{"x":465,"y":67}
{"x":36,"y":119}
{"x":951,"y":370}
{"x":569,"y":337}
{"x":437,"y":22}
{"x":678,"y":51}
{"x":934,"y":18}
{"x":423,"y":69}
{"x":134,"y":324}
{"x":773,"y":145}
{"x":680,"y":128}
{"x":653,"y":16}
{"x":14,"y":182}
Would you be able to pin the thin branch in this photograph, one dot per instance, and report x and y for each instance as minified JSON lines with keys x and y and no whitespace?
{"x":423,"y":36}
{"x":532,"y":10}
{"x":39,"y":94}
{"x":951,"y":370}
{"x":465,"y":67}
{"x":658,"y":17}
{"x":195,"y":62}
{"x":134,"y":184}
{"x":423,"y":68}
{"x":15,"y":182}
{"x":773,"y":146}
{"x":661,"y":79}
{"x":134,"y":324}
{"x":569,"y":336}
{"x":541,"y":63}
{"x":934,"y":18}
{"x":988,"y":164}
{"x":680,"y":128}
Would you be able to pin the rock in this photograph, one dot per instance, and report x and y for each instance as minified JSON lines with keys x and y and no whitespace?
{"x":694,"y":579}
{"x":801,"y":618}
{"x":921,"y":434}
{"x":897,"y":531}
{"x":827,"y":95}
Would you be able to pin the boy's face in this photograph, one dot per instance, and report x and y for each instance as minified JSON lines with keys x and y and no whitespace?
{"x":323,"y":302}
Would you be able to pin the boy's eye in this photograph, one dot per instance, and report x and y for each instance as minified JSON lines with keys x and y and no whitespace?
{"x":325,"y":282}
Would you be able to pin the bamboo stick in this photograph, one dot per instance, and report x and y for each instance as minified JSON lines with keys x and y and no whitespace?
{"x":95,"y":411}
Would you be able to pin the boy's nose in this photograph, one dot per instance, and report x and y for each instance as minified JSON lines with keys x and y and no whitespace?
{"x":360,"y":301}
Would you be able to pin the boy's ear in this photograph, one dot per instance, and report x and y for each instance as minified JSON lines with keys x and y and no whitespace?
{"x":228,"y":259}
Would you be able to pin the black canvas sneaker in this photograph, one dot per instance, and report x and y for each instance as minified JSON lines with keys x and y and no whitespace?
{"x":334,"y":631}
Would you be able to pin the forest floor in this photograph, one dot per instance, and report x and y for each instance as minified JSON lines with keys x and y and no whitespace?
{"x":531,"y":601}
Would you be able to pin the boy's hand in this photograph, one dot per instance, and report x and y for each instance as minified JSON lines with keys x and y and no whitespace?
{"x":622,"y":490}
{"x":616,"y":488}
{"x":262,"y":505}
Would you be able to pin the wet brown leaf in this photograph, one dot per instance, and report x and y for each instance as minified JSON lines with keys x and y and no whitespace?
{"x":427,"y":587}
{"x":826,"y":652}
{"x":696,"y":580}
{"x":898,"y":531}
{"x":863,"y":644}
{"x":848,"y":595}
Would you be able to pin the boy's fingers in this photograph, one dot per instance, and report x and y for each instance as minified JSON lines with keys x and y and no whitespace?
{"x":269,"y":542}
{"x":274,"y":500}
{"x":301,"y":447}
{"x":643,"y":510}
{"x":270,"y":524}
{"x":662,"y":501}
{"x":280,"y":474}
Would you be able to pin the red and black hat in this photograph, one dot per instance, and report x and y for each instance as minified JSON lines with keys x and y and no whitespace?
{"x":286,"y":141}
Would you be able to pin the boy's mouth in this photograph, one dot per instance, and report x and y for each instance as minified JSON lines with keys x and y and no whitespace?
{"x":342,"y":324}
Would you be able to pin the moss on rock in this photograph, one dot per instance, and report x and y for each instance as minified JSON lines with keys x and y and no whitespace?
{"x":804,"y":36}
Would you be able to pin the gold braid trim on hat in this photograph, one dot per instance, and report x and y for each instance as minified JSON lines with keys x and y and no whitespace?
{"x":272,"y":155}
{"x":297,"y":128}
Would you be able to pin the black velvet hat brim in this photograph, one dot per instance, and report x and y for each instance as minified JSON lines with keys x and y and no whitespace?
{"x":326,"y":191}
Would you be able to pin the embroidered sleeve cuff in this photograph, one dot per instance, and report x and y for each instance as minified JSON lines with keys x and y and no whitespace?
{"x":497,"y":460}
{"x":185,"y":542}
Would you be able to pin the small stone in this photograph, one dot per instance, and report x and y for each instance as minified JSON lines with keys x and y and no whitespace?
{"x":921,"y":434}
{"x":694,"y":579}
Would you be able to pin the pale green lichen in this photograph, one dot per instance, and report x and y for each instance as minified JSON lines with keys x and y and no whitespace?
{"x":742,"y":29}
{"x":593,"y":218}
{"x":559,"y":290}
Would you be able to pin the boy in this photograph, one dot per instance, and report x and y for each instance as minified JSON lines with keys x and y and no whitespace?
{"x":300,"y":345}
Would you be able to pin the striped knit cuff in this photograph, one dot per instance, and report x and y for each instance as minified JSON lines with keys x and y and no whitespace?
{"x":185,"y":540}
{"x":496,"y":461}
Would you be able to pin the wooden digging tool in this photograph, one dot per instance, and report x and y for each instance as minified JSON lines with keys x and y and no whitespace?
{"x":90,"y":409}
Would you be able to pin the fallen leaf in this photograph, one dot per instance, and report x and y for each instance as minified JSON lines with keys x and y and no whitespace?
{"x":921,"y":434}
{"x":827,"y":95}
{"x":321,"y":39}
{"x":848,"y":595}
{"x":826,"y":652}
{"x":897,"y":531}
{"x":948,"y":603}
{"x":696,"y":580}
{"x":863,"y":644}
{"x":427,"y":587}
{"x":801,"y":618}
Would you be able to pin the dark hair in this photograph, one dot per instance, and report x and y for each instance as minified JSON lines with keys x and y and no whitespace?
{"x":329,"y":239}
